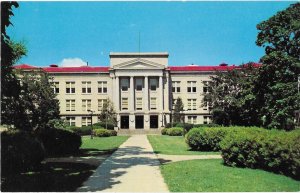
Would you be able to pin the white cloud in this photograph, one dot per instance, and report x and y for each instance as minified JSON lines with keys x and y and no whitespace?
{"x":72,"y":62}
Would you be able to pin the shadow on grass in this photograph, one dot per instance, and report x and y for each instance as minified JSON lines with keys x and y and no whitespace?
{"x":50,"y":176}
{"x":57,"y":174}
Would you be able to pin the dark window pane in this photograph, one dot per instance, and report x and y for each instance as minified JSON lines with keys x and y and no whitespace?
{"x":83,"y":90}
{"x":189,"y":89}
{"x":204,"y":89}
{"x":67,"y":90}
{"x":104,"y":90}
{"x":194,"y":89}
{"x":56,"y":90}
{"x":99,"y":90}
{"x":89,"y":90}
{"x":73,"y":90}
{"x":178,"y":89}
{"x":153,"y":87}
{"x":173,"y":89}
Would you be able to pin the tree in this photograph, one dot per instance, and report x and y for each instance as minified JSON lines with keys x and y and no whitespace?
{"x":276,"y":82}
{"x":39,"y":98}
{"x":12,"y":108}
{"x":231,"y":96}
{"x":108,"y":113}
{"x":178,"y":108}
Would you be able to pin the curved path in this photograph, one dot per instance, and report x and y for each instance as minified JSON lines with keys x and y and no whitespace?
{"x":132,"y":168}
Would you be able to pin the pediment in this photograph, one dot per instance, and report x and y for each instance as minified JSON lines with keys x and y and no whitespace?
{"x":139,"y":63}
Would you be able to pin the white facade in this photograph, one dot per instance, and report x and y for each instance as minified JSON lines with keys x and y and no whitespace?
{"x":140,"y":87}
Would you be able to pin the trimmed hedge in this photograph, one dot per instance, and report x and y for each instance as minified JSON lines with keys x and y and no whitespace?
{"x":110,"y":126}
{"x":208,"y":139}
{"x":20,"y":151}
{"x":175,"y":131}
{"x":104,"y":133}
{"x":59,"y":141}
{"x":164,"y":131}
{"x":187,"y":126}
{"x":276,"y":151}
{"x":84,"y":130}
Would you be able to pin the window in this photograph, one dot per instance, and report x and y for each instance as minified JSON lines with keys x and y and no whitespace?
{"x":192,"y":119}
{"x":176,"y":86}
{"x":153,"y":103}
{"x":86,"y":87}
{"x":70,"y":87}
{"x":124,"y":103}
{"x":124,"y":84}
{"x":86,"y":121}
{"x":191,"y":86}
{"x":153,"y":84}
{"x":206,"y":106}
{"x":173,"y":103}
{"x":206,"y":119}
{"x":139,"y":104}
{"x":56,"y":87}
{"x":70,"y":105}
{"x":139,"y":84}
{"x":206,"y":87}
{"x":192,"y":104}
{"x":102,"y":87}
{"x":70,"y":121}
{"x":86,"y":104}
{"x":101,"y":102}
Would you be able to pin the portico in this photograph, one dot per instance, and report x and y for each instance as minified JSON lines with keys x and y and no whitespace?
{"x":140,"y":85}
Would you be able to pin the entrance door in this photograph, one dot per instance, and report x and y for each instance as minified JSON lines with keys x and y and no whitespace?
{"x":139,"y":122}
{"x":124,"y":122}
{"x":153,"y":121}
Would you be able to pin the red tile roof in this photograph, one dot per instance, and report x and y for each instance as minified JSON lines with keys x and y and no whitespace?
{"x":76,"y":69}
{"x":201,"y":68}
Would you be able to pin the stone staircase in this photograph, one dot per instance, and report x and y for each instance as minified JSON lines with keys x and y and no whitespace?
{"x":139,"y":132}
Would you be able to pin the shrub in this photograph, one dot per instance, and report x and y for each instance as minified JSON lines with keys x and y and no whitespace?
{"x":84,"y":130}
{"x":206,"y":125}
{"x":175,"y":131}
{"x":20,"y":151}
{"x":110,"y":126}
{"x":104,"y":132}
{"x":208,"y":139}
{"x":276,"y":151}
{"x":164,"y":131}
{"x":58,"y":141}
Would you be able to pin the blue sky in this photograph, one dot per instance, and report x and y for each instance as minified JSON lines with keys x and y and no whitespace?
{"x":203,"y":33}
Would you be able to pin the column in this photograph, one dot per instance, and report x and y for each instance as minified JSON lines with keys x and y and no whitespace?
{"x":146,"y":94}
{"x":131,"y":94}
{"x":146,"y":104}
{"x":161,"y":94}
{"x":117,"y":94}
{"x":131,"y":104}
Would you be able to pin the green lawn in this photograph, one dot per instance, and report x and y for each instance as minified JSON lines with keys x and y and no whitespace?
{"x":172,"y":145}
{"x":213,"y":176}
{"x":102,"y":144}
{"x":64,"y":176}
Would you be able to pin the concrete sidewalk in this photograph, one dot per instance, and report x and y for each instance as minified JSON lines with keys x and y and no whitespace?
{"x":132,"y":168}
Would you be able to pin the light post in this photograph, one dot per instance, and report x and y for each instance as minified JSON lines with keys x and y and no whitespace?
{"x":91,"y":122}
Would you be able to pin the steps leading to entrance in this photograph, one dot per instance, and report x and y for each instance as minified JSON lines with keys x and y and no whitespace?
{"x":139,"y":131}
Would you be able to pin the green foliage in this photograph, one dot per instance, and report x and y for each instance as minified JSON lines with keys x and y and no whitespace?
{"x":39,"y":99}
{"x":276,"y":83}
{"x":84,"y":130}
{"x":231,"y":97}
{"x":58,"y":141}
{"x":178,"y":109}
{"x":104,"y":133}
{"x":13,"y":111}
{"x":276,"y":151}
{"x":20,"y":151}
{"x":109,"y":125}
{"x":164,"y":131}
{"x":108,"y":114}
{"x":208,"y":139}
{"x":175,"y":131}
